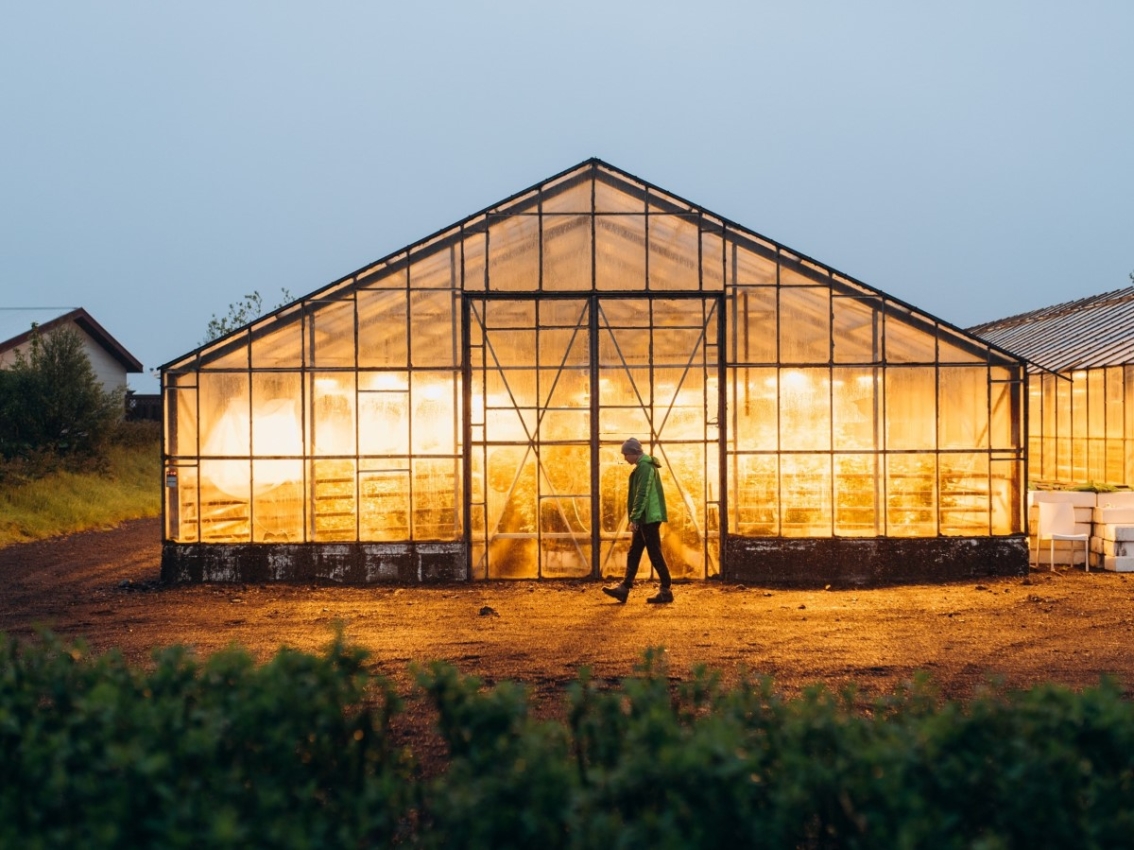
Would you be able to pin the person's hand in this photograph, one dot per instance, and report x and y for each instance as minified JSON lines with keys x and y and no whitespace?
{"x":633,"y":526}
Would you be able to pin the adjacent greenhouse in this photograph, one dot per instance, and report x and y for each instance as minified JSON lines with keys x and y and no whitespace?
{"x":456,"y":409}
{"x":1081,"y":424}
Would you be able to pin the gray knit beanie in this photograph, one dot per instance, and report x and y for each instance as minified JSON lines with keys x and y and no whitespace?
{"x":632,"y":447}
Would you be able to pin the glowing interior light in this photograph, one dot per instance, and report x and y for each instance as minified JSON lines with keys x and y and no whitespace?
{"x":795,"y":380}
{"x":277,"y":428}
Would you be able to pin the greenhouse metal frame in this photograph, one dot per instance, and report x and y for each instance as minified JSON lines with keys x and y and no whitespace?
{"x":455,"y":411}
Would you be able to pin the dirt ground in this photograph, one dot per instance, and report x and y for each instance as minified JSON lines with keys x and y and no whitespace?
{"x":1068,"y":626}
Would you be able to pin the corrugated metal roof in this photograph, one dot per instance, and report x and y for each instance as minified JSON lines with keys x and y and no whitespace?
{"x":1083,"y":334}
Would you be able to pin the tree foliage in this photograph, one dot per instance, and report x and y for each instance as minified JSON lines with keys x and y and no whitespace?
{"x":240,"y":313}
{"x":51,"y":402}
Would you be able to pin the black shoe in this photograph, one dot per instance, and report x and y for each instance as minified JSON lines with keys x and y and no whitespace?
{"x":665,"y":595}
{"x":619,"y":592}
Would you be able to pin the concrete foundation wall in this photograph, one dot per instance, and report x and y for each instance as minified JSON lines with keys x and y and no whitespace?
{"x":343,"y":563}
{"x":871,"y":561}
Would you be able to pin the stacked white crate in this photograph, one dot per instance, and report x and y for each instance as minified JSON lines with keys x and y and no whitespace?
{"x":1112,"y":541}
{"x":1066,"y":552}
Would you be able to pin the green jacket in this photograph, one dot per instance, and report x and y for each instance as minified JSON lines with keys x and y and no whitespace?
{"x":645,"y":501}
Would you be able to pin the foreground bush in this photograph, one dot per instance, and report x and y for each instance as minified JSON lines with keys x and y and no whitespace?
{"x":292,"y":754}
{"x":298,"y":753}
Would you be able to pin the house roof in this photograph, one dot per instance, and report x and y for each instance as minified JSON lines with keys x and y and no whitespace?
{"x":1083,"y":334}
{"x":16,"y":329}
{"x":527,"y":202}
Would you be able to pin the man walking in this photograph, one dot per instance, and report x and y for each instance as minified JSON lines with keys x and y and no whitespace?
{"x":645,"y":508}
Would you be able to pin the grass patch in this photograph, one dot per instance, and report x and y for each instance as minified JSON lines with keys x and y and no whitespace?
{"x":126,"y":485}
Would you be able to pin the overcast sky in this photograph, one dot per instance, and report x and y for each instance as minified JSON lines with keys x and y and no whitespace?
{"x":160,"y":160}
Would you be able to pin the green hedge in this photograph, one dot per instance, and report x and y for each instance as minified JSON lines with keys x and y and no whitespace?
{"x":299,"y":752}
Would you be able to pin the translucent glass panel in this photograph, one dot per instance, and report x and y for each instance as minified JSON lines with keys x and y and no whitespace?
{"x":911,"y":495}
{"x":567,"y":253}
{"x":224,"y":414}
{"x":805,"y":325}
{"x":1079,"y":422}
{"x":513,"y":253}
{"x":278,"y":503}
{"x":332,"y":333}
{"x":672,"y":244}
{"x":911,"y":408}
{"x":383,"y":329}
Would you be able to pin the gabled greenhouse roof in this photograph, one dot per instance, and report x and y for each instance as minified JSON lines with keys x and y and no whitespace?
{"x":1083,"y":334}
{"x":614,"y":193}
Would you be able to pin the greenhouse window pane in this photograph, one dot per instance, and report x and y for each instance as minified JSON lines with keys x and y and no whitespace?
{"x":563,"y":347}
{"x":332,"y":423}
{"x":475,"y":268}
{"x":620,"y":252}
{"x":382,"y":324}
{"x":277,"y":501}
{"x":755,"y":406}
{"x":911,"y":408}
{"x":225,"y":427}
{"x":749,"y":268}
{"x":278,"y":342}
{"x":911,"y":499}
{"x":434,"y":329}
{"x":964,"y":493}
{"x":437,"y":499}
{"x":609,"y":199}
{"x":277,"y":423}
{"x":856,"y":495}
{"x":805,"y":493}
{"x":805,"y":409}
{"x":712,"y":262}
{"x":560,"y":313}
{"x":567,"y":253}
{"x":230,"y":353}
{"x":805,"y":325}
{"x":565,"y":388}
{"x":854,"y":408}
{"x":181,"y":506}
{"x":953,"y":348}
{"x":756,"y":329}
{"x":435,"y":419}
{"x":962,"y":421}
{"x":672,"y":252}
{"x":755,"y":497}
{"x":333,"y":515}
{"x":1004,"y":423}
{"x":511,"y":348}
{"x":908,"y":344}
{"x":1115,"y":402}
{"x":383,"y":423}
{"x":513,"y":254}
{"x":332,"y":335}
{"x":384,"y":502}
{"x":510,"y":314}
{"x":1005,"y":496}
{"x":574,"y":196}
{"x":225,"y":493}
{"x":181,"y":421}
{"x":857,"y":330}
{"x":440,"y":270}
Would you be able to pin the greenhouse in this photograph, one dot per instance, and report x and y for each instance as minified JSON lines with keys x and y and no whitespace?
{"x":455,"y":411}
{"x":1081,"y":423}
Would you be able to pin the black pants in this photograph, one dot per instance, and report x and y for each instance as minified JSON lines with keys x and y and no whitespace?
{"x":647,"y":537}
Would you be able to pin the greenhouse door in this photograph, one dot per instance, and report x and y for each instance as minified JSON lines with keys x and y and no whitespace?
{"x":553,"y":386}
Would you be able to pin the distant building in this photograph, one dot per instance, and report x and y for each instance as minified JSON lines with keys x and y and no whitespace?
{"x":1080,"y":411}
{"x":110,"y":361}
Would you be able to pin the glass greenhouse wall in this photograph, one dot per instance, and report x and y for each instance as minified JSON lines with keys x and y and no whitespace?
{"x":456,"y":411}
{"x":1080,"y":432}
